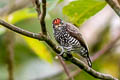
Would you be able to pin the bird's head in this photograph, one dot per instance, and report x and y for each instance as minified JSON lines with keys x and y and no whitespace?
{"x":57,"y":23}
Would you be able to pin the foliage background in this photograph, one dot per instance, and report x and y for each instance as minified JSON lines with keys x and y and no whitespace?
{"x":34,"y":60}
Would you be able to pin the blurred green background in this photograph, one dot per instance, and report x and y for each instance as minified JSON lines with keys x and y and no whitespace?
{"x":33,"y":59}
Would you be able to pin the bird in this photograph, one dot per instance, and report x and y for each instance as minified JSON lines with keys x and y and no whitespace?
{"x":70,"y":39}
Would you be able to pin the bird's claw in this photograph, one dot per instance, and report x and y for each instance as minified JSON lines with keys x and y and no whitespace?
{"x":61,"y":49}
{"x":61,"y":53}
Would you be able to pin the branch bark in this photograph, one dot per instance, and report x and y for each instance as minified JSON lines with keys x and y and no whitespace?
{"x":37,"y":4}
{"x":66,"y":56}
{"x":42,"y":17}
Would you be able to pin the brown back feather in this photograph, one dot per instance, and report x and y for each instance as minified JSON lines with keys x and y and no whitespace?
{"x":74,"y":32}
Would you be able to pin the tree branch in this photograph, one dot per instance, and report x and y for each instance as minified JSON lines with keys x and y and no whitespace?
{"x":66,"y":56}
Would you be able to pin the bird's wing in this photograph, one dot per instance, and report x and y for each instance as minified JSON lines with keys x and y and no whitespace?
{"x":74,"y":32}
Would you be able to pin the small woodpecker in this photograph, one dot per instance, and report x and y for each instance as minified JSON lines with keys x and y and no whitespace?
{"x":70,"y":39}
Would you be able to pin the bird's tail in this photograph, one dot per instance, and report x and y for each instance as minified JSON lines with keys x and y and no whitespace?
{"x":86,"y":56}
{"x":89,"y":61}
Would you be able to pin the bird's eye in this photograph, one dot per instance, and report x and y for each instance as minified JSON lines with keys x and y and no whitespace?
{"x":61,"y":22}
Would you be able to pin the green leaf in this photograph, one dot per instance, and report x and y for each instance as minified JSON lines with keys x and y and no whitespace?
{"x":60,"y":1}
{"x":21,"y":15}
{"x":39,"y":48}
{"x":80,"y":10}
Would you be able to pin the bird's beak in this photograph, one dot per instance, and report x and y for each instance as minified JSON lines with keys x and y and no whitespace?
{"x":56,"y":26}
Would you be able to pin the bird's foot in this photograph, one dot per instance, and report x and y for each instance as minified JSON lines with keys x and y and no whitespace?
{"x":62,"y":52}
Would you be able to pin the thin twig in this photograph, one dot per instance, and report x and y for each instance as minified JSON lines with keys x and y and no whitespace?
{"x":68,"y":57}
{"x":65,"y":68}
{"x":41,"y":15}
{"x":37,"y":4}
